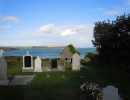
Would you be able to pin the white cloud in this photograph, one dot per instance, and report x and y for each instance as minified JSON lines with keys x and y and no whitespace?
{"x":5,"y":26}
{"x":79,"y":35}
{"x":100,"y":9}
{"x":128,"y":2}
{"x":68,"y":32}
{"x":112,"y":12}
{"x":11,"y":18}
{"x":46,"y":28}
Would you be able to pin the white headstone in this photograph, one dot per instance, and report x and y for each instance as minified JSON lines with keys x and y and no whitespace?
{"x":38,"y":67}
{"x":1,"y":52}
{"x":110,"y":93}
{"x":76,"y":62}
{"x":3,"y":72}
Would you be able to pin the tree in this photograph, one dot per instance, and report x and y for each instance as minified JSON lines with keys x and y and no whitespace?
{"x":112,"y":41}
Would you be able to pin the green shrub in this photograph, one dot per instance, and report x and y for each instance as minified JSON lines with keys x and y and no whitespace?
{"x":72,"y":49}
{"x":90,"y":55}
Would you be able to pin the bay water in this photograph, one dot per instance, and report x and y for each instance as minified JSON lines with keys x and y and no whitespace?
{"x":46,"y":53}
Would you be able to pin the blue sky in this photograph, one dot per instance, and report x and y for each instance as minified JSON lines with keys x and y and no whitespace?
{"x":55,"y":22}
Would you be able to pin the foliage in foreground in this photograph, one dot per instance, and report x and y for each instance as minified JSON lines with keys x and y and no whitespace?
{"x":112,"y":41}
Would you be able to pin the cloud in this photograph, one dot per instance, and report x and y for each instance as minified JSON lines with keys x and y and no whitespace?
{"x":67,"y":32}
{"x":112,"y":12}
{"x":46,"y":28}
{"x":100,"y":9}
{"x":5,"y":26}
{"x":128,"y":2}
{"x":80,"y":35}
{"x":11,"y":18}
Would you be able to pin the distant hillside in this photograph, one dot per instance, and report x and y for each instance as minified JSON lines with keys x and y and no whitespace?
{"x":47,"y":46}
{"x":9,"y":48}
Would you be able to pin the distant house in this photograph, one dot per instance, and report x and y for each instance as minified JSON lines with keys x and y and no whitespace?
{"x":68,"y":53}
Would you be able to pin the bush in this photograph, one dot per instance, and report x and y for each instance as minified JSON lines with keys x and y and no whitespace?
{"x":72,"y":49}
{"x":90,"y":55}
{"x":13,"y":59}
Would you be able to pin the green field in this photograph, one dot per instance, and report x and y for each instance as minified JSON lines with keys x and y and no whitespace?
{"x":57,"y":87}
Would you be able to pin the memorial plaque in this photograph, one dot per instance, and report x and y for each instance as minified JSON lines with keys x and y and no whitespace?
{"x":53,"y":63}
{"x":27,"y":60}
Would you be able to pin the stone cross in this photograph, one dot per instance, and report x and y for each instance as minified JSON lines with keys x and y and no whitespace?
{"x":110,"y":93}
{"x":1,"y":52}
{"x":76,"y":62}
{"x":38,"y":62}
{"x":27,"y":52}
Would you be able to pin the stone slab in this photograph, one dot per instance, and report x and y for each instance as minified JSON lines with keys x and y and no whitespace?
{"x":59,"y":68}
{"x":21,"y":80}
{"x":27,"y":70}
{"x":5,"y":82}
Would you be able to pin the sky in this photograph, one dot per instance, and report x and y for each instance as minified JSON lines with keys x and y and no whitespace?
{"x":55,"y":22}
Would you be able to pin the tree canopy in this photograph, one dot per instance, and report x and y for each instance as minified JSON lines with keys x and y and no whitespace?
{"x":112,"y":41}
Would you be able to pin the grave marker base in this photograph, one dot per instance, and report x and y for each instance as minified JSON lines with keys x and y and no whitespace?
{"x":5,"y":82}
{"x":27,"y":70}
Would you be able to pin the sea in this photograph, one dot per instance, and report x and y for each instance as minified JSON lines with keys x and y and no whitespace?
{"x":46,"y":53}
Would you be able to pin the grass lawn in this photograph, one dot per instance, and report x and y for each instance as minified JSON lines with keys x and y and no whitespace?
{"x":57,"y":87}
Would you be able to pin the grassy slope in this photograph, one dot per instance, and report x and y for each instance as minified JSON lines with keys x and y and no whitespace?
{"x":58,"y":88}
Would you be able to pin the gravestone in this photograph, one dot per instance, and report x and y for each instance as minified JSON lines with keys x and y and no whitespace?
{"x":53,"y":63}
{"x":27,"y":63}
{"x":76,"y":62}
{"x":110,"y":93}
{"x":3,"y":70}
{"x":38,"y":62}
{"x":1,"y":52}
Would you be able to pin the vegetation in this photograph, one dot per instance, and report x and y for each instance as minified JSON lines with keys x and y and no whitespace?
{"x":8,"y":48}
{"x":72,"y":49}
{"x":57,"y":87}
{"x":91,"y":55}
{"x":112,"y":41}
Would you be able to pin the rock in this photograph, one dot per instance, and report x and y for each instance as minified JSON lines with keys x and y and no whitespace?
{"x":63,"y":76}
{"x":47,"y":75}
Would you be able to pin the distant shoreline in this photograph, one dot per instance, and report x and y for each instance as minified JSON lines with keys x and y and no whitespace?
{"x":10,"y":48}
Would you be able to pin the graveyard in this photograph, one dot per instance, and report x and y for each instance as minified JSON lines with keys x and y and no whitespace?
{"x":57,"y":85}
